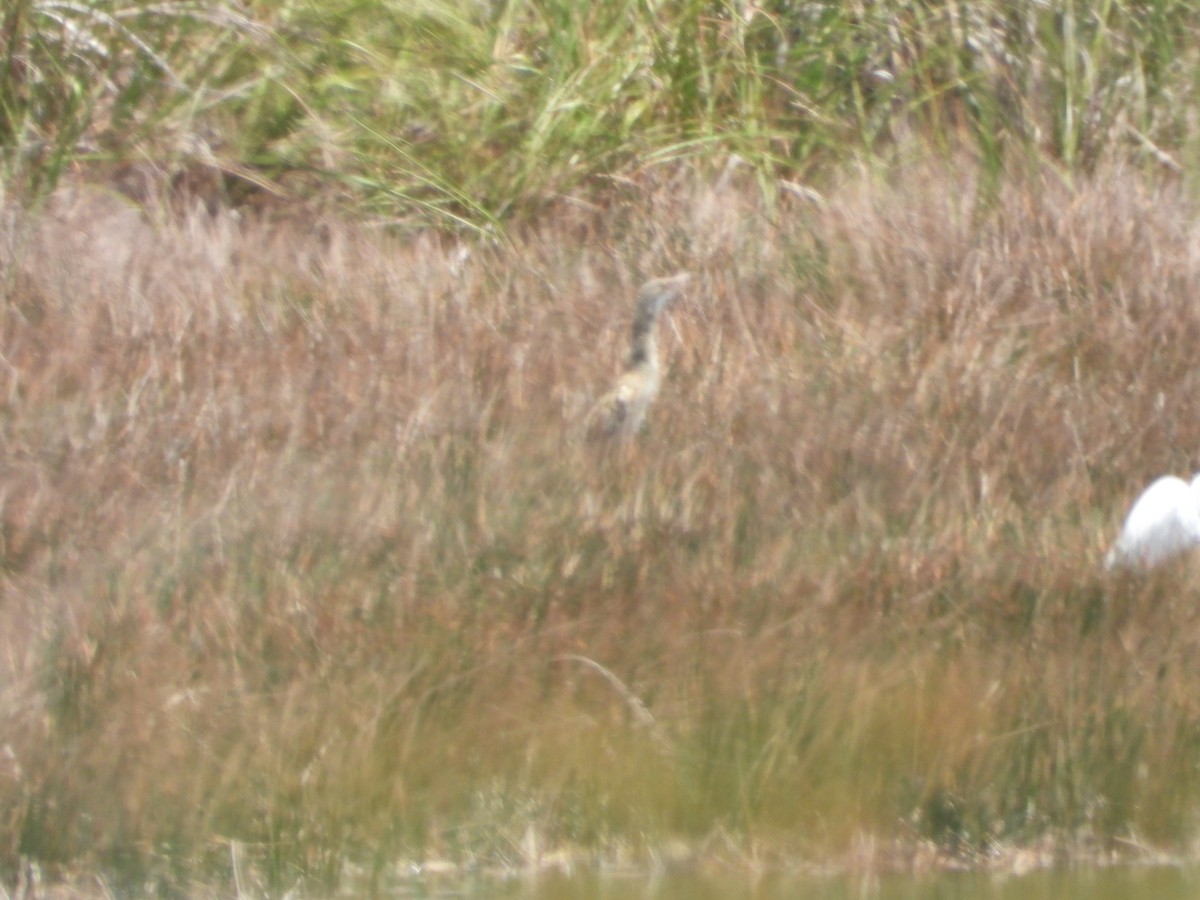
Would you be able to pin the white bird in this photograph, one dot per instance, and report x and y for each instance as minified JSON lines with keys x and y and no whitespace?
{"x":1164,"y":522}
{"x":621,"y":412}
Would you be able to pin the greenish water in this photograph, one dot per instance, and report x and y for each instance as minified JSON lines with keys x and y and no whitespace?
{"x":1151,"y":882}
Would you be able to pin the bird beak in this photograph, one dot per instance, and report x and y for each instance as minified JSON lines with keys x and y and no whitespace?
{"x":675,"y":287}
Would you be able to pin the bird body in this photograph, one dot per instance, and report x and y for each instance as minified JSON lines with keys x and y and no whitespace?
{"x":622,"y":411}
{"x":1164,"y":522}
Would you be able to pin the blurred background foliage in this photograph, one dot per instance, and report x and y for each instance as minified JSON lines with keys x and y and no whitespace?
{"x":470,"y":113}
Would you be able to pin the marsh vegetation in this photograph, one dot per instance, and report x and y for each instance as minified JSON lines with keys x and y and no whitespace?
{"x":304,"y":577}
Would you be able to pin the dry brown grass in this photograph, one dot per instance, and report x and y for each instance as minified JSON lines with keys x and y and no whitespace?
{"x":300,"y":554}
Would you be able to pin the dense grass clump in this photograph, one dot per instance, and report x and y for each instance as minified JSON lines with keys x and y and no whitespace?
{"x":470,"y":114}
{"x":304,"y":569}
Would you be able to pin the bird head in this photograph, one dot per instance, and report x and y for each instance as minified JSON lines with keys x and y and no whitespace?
{"x":657,"y":293}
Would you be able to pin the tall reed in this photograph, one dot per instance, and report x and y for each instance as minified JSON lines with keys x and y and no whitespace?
{"x":469,"y":116}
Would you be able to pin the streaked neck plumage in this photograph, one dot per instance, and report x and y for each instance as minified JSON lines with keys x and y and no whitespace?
{"x":643,"y":348}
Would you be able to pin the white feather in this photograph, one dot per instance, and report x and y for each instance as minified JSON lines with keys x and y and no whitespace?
{"x":1164,"y":522}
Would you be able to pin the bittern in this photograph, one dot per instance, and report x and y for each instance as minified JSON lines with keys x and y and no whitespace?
{"x":621,"y":412}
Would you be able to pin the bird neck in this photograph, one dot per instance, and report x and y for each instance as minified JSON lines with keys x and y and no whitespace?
{"x":643,"y":351}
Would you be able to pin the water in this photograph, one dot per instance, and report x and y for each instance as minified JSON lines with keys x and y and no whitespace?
{"x":1123,"y":883}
